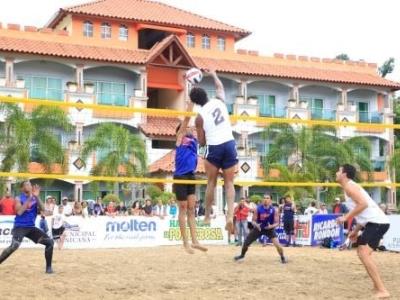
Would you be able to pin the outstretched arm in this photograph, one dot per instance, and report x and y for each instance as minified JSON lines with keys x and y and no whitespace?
{"x":201,"y":136}
{"x":219,"y":87}
{"x":184,"y":125}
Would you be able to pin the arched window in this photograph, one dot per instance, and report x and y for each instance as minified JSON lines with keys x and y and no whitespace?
{"x":105,"y":31}
{"x":88,"y":29}
{"x":221,"y":43}
{"x":205,"y":42}
{"x":190,"y":40}
{"x":123,"y":33}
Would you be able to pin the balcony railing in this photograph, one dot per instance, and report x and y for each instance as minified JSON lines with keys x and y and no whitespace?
{"x":272,"y":111}
{"x":323,"y":114}
{"x":113,"y":99}
{"x":369,"y":117}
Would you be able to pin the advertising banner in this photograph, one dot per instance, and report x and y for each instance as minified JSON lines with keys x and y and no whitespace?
{"x":391,"y":240}
{"x":325,"y":226}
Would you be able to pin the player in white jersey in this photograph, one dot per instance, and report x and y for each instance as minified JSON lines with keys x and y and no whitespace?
{"x":214,"y":131}
{"x":369,"y":217}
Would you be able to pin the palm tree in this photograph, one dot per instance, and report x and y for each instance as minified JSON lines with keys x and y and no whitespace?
{"x":124,"y":152}
{"x":26,"y":137}
{"x":313,"y":153}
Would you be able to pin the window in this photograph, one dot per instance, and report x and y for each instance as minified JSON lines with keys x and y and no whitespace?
{"x":123,"y":33}
{"x":205,"y":42}
{"x":363,"y":111}
{"x":267,"y":105}
{"x":190,"y":40}
{"x":317,"y":108}
{"x":111,"y":93}
{"x":105,"y":31}
{"x":221,"y":43}
{"x":44,"y":87}
{"x":88,"y":29}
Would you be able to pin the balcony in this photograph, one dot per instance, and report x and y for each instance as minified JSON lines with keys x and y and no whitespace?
{"x":272,"y":112}
{"x":323,"y":114}
{"x":371,"y":118}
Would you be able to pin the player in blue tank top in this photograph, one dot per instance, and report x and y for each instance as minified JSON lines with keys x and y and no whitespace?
{"x":27,"y":206}
{"x":265,"y":220}
{"x":185,"y":168}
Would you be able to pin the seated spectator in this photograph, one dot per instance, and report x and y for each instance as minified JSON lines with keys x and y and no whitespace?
{"x":384,"y":208}
{"x":311,"y":209}
{"x":136,"y":209}
{"x":77,"y":210}
{"x":159,"y":210}
{"x":199,"y":209}
{"x":98,"y":208}
{"x":49,"y":206}
{"x":173,"y":209}
{"x":111,"y":209}
{"x":43,"y":224}
{"x":338,"y":207}
{"x":67,"y":210}
{"x":85,"y":211}
{"x":7,"y":205}
{"x":148,"y":208}
{"x":322,"y":210}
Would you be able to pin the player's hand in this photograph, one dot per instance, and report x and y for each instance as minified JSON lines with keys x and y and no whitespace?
{"x":353,"y":236}
{"x":256,"y":225}
{"x":341,"y":220}
{"x":36,"y":190}
{"x":210,"y":71}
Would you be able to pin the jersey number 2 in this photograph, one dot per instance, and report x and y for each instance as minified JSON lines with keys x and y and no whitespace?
{"x":218,"y":118}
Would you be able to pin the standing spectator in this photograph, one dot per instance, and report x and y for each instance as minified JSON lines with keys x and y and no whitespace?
{"x":67,"y":207}
{"x":58,"y":228}
{"x":289,"y":209}
{"x":311,"y":209}
{"x":136,"y":209}
{"x":98,"y":208}
{"x":173,"y":209}
{"x":49,"y":206}
{"x":77,"y":210}
{"x":159,"y":210}
{"x":252,"y":209}
{"x":241,"y":213}
{"x":148,"y":208}
{"x":7,"y":205}
{"x":322,"y":210}
{"x":339,"y":207}
{"x":91,"y":207}
{"x":111,"y":209}
{"x":85,"y":211}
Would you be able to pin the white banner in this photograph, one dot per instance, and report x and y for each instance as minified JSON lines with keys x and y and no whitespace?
{"x":391,"y":240}
{"x":120,"y":232}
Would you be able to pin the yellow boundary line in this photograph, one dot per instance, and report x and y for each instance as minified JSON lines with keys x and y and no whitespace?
{"x":199,"y":182}
{"x":175,"y":113}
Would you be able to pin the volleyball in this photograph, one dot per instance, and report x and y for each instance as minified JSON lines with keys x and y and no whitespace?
{"x":194,"y":76}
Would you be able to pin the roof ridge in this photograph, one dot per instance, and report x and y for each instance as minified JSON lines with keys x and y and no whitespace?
{"x":195,"y":14}
{"x":91,"y":2}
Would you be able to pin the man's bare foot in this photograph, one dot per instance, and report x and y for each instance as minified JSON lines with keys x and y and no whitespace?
{"x":199,"y":247}
{"x":229,"y":227}
{"x":382,"y":294}
{"x":188,"y":249}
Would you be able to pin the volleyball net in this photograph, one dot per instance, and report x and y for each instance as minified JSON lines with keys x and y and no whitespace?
{"x":297,"y":147}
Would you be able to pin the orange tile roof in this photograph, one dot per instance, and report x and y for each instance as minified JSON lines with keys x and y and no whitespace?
{"x":295,"y":72}
{"x":148,"y":12}
{"x":38,"y":168}
{"x":160,"y":126}
{"x":166,"y":164}
{"x":68,"y":50}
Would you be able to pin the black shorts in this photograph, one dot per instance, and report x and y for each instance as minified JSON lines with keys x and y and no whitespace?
{"x":270,"y":233}
{"x":182,"y":191}
{"x":32,"y":233}
{"x":223,"y":156}
{"x":288,"y":227}
{"x":372,"y":234}
{"x":57,"y":232}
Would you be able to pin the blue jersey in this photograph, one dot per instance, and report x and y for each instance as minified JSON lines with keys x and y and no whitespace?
{"x":28,"y":218}
{"x":288,"y":213}
{"x":265,"y":215}
{"x":186,"y":156}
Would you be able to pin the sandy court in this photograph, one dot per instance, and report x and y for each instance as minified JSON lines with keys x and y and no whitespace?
{"x":169,"y":273}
